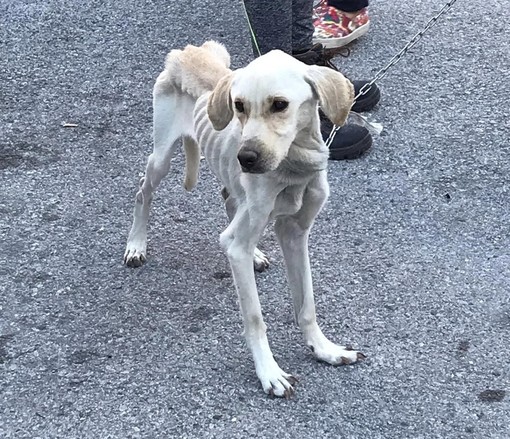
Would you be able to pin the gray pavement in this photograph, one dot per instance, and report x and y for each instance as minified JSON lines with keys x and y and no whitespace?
{"x":410,"y":257}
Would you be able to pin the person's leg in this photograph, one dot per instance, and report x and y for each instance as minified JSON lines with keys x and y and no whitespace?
{"x":302,"y":25}
{"x":271,"y":22}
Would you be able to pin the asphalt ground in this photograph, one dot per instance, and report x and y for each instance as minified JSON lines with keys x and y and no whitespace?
{"x":410,"y":257}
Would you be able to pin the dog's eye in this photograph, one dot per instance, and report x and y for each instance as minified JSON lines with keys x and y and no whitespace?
{"x":239,"y":106}
{"x":279,"y":105}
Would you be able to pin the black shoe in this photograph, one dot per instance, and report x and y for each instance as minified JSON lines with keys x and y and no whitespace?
{"x":350,"y":141}
{"x":367,"y":101}
{"x":318,"y":56}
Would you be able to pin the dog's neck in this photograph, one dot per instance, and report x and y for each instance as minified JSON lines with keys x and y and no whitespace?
{"x":307,"y":155}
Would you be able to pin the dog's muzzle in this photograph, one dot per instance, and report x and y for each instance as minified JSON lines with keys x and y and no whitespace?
{"x":249,"y":161}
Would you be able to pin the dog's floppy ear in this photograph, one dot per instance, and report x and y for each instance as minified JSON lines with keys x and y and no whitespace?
{"x":219,"y":106}
{"x":334,"y":90}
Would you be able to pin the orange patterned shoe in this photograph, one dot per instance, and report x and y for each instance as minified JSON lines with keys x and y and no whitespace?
{"x":333,"y":28}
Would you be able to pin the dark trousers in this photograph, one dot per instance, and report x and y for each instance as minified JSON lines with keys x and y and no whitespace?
{"x":283,"y":24}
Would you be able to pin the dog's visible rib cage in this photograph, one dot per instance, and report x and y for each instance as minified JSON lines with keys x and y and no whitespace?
{"x":284,"y":178}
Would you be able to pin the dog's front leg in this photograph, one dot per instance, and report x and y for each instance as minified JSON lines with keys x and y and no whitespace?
{"x":239,"y":241}
{"x":292,"y":232}
{"x":260,"y":260}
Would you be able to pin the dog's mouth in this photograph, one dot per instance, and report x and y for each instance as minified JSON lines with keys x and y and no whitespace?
{"x":253,"y":170}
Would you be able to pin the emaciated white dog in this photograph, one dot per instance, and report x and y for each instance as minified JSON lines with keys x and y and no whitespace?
{"x":258,"y":128}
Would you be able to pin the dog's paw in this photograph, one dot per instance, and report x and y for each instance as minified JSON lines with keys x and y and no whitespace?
{"x":331,"y":353}
{"x":134,"y":255}
{"x":260,"y":261}
{"x":276,"y":382}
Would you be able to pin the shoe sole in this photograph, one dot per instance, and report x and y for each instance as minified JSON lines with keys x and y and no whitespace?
{"x":333,"y":43}
{"x":353,"y":151}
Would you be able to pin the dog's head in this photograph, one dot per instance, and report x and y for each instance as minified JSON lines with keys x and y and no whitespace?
{"x":275,"y":99}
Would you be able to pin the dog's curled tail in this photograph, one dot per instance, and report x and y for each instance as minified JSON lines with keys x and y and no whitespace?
{"x":196,"y":70}
{"x":192,"y":152}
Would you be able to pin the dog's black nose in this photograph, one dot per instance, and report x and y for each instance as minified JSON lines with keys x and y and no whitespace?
{"x":248,"y":158}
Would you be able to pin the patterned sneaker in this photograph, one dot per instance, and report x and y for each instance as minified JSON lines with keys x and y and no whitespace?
{"x":335,"y":29}
{"x":319,"y":8}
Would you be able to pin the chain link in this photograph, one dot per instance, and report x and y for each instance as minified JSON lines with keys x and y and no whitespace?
{"x":382,"y":73}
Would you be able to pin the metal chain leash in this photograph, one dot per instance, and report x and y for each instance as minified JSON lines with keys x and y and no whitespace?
{"x":382,"y":73}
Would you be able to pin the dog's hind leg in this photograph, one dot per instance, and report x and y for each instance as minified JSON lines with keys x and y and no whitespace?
{"x":260,"y":260}
{"x":292,"y":232}
{"x":170,"y":113}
